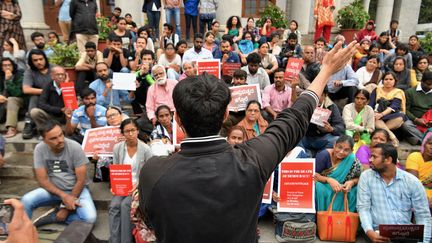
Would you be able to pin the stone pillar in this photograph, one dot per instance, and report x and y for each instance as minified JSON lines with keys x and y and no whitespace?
{"x":132,"y":7}
{"x":366,"y":4}
{"x":407,"y":12}
{"x":300,"y":11}
{"x":384,"y":15}
{"x":32,"y":19}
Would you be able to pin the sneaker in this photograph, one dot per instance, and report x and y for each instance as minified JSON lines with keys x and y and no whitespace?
{"x":27,"y":132}
{"x":49,"y":217}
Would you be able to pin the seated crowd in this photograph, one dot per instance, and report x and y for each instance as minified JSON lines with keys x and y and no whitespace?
{"x":380,"y":98}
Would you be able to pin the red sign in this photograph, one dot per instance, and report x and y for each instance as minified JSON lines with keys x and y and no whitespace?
{"x":228,"y":68}
{"x":69,"y":95}
{"x":293,"y":67}
{"x":268,"y":190}
{"x":241,"y":95}
{"x":121,"y":179}
{"x":296,"y":186}
{"x":320,"y":115}
{"x":210,"y":66}
{"x":102,"y":140}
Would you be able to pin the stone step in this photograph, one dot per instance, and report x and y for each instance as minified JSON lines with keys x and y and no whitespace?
{"x":17,"y":187}
{"x":19,"y":158}
{"x":17,"y":171}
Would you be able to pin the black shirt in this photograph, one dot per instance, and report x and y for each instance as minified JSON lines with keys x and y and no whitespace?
{"x":116,"y":64}
{"x":211,"y":191}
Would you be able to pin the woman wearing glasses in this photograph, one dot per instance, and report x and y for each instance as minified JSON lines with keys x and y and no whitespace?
{"x":132,"y":152}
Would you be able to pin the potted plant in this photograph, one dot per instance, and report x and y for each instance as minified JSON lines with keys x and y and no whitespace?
{"x":277,"y":16}
{"x":66,"y":56}
{"x":352,"y":18}
{"x":104,"y":27}
{"x":426,"y":44}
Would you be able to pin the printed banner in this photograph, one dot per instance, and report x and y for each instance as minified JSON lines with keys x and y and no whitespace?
{"x":320,"y":115}
{"x":293,"y":67}
{"x":102,"y":140}
{"x":296,"y":186}
{"x":69,"y":95}
{"x":121,"y":179}
{"x":403,"y":232}
{"x":228,"y":68}
{"x":268,"y":190}
{"x":211,"y":66}
{"x":241,"y":95}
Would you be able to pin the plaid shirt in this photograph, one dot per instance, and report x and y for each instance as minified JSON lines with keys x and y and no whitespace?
{"x":379,"y":203}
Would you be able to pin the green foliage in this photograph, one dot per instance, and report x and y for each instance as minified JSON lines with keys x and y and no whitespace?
{"x":352,"y":16}
{"x":425,"y":12}
{"x":426,"y":42}
{"x":276,"y":14}
{"x":65,"y":55}
{"x":104,"y":26}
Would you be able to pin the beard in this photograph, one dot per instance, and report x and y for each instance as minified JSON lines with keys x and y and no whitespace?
{"x":40,"y":46}
{"x":104,"y":78}
{"x":161,"y":81}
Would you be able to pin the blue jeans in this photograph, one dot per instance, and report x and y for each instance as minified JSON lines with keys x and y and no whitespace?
{"x":41,"y":197}
{"x":169,"y":12}
{"x":318,"y":143}
{"x":154,"y":19}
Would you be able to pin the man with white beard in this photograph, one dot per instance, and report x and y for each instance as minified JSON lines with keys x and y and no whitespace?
{"x":160,"y":93}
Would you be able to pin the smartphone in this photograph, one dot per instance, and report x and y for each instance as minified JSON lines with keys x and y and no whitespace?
{"x":6,"y":214}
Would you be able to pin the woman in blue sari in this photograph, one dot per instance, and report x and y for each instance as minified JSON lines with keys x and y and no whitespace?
{"x":337,"y":170}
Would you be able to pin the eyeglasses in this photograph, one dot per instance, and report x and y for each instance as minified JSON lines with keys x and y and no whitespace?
{"x":112,"y":115}
{"x":131,"y":131}
{"x":60,"y":74}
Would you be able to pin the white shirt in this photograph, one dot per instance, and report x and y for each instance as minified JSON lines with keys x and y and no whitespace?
{"x":130,"y":161}
{"x":192,"y":55}
{"x":364,"y":76}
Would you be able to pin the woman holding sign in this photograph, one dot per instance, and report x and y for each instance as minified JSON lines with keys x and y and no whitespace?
{"x":337,"y":170}
{"x":129,"y":152}
{"x":253,"y":123}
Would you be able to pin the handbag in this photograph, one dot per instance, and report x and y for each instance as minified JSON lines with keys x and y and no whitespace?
{"x":295,"y":227}
{"x":337,"y":226}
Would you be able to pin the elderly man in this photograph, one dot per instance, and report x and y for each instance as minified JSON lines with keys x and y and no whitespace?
{"x":160,"y":93}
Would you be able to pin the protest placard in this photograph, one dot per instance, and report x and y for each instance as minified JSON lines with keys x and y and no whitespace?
{"x":268,"y":190}
{"x":121,"y":179}
{"x":228,"y":68}
{"x":211,"y":66}
{"x":101,"y":140}
{"x":69,"y":95}
{"x":402,"y":232}
{"x":241,"y":95}
{"x":293,"y":67}
{"x":296,"y":186}
{"x":124,"y":81}
{"x":320,"y":115}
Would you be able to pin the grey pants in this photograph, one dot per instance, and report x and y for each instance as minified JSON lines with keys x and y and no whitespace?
{"x":410,"y":129}
{"x":120,"y":220}
{"x":40,"y":117}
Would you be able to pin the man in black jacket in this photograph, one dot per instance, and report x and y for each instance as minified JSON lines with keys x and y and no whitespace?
{"x":211,"y":191}
{"x":50,"y":103}
{"x":84,"y":26}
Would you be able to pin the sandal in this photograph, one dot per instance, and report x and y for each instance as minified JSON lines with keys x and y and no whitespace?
{"x":11,"y":132}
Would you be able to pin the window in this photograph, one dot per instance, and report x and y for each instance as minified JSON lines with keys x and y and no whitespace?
{"x":252,"y":8}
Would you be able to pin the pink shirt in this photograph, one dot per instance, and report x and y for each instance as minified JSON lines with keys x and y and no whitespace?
{"x":277,"y":100}
{"x":160,"y":95}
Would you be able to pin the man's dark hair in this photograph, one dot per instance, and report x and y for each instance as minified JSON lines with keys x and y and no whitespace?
{"x":225,"y":41}
{"x":388,"y":150}
{"x":279,"y":70}
{"x":293,"y":36}
{"x":101,"y":63}
{"x":118,"y":8}
{"x":253,"y":58}
{"x":240,"y":74}
{"x":90,"y":45}
{"x":36,"y":52}
{"x":36,"y":34}
{"x":394,"y":21}
{"x":115,"y":38}
{"x":273,"y":35}
{"x":147,"y":52}
{"x":14,"y":66}
{"x":321,"y":39}
{"x":48,"y":126}
{"x":201,"y":102}
{"x":198,"y":36}
{"x":427,"y":75}
{"x":128,"y":14}
{"x":169,"y":27}
{"x":402,"y":47}
{"x":87,"y":92}
{"x":228,"y":38}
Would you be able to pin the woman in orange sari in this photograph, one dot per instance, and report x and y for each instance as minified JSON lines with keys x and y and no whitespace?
{"x":253,"y":123}
{"x":323,"y":14}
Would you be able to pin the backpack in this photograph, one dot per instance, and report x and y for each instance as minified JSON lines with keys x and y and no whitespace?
{"x":295,"y":227}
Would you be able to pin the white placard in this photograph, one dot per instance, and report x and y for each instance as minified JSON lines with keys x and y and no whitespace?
{"x":124,"y":81}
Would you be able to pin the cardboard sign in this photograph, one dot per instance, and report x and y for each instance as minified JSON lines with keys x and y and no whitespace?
{"x":229,"y":68}
{"x":241,"y":95}
{"x":69,"y":95}
{"x":320,"y":115}
{"x":268,"y":190}
{"x":211,"y":66}
{"x":293,"y":67}
{"x":402,"y":232}
{"x":178,"y":134}
{"x":102,"y":140}
{"x":124,"y":81}
{"x":296,"y":186}
{"x":121,"y":179}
